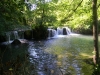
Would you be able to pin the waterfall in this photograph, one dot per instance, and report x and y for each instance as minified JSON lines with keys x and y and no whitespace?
{"x":16,"y":34}
{"x":68,"y":31}
{"x":48,"y":33}
{"x":60,"y":31}
{"x":8,"y":36}
{"x":51,"y":33}
{"x":63,"y":31}
{"x":11,"y":36}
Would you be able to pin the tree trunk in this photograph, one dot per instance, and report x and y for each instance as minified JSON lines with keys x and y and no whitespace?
{"x":95,"y":32}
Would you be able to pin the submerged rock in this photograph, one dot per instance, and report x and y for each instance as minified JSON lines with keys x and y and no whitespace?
{"x":16,"y":42}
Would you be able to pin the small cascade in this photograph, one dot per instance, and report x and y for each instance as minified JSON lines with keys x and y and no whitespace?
{"x":16,"y":34}
{"x":8,"y":36}
{"x":63,"y":31}
{"x":51,"y":33}
{"x":67,"y":30}
{"x":54,"y":32}
{"x":59,"y":31}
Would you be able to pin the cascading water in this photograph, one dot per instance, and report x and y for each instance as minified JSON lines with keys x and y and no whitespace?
{"x":16,"y":34}
{"x":58,"y":32}
{"x":68,"y":31}
{"x":21,"y":37}
{"x":63,"y":31}
{"x":51,"y":33}
{"x":12,"y":35}
{"x":8,"y":36}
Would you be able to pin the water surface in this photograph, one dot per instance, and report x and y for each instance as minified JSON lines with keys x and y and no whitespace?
{"x":56,"y":56}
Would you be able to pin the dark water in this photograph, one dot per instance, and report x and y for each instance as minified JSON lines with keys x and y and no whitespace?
{"x":57,"y":56}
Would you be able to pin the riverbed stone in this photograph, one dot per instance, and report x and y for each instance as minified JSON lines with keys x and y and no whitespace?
{"x":64,"y":31}
{"x":16,"y":42}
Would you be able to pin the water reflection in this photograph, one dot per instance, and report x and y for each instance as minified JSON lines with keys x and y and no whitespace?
{"x":60,"y":56}
{"x":56,"y":56}
{"x":45,"y":63}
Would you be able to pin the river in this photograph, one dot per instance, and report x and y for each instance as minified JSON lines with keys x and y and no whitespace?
{"x":63,"y":55}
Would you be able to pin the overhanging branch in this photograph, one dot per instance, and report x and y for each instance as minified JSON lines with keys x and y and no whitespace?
{"x":74,"y":10}
{"x":78,"y":5}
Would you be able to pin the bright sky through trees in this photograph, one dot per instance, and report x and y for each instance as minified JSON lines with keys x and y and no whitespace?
{"x":34,"y":6}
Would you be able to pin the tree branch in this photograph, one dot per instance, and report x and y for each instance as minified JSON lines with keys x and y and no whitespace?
{"x":74,"y":10}
{"x":78,"y":5}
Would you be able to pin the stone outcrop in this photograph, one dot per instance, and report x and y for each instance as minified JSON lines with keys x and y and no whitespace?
{"x":16,"y":42}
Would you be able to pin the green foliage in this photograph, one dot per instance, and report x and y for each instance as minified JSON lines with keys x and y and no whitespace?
{"x":42,"y":15}
{"x":73,"y":13}
{"x":96,"y":69}
{"x":12,"y":14}
{"x":70,"y":13}
{"x":40,"y":32}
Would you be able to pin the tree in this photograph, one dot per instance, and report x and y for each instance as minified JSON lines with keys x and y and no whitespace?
{"x":95,"y":32}
{"x":11,"y":15}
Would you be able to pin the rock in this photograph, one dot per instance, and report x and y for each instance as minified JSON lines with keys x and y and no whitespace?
{"x":16,"y":42}
{"x":64,"y":31}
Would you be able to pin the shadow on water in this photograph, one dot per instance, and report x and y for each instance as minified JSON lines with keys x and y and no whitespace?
{"x":56,"y":56}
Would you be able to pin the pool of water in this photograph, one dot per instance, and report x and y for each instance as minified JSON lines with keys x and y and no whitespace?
{"x":57,"y":56}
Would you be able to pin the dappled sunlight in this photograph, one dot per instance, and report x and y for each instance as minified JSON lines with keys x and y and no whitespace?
{"x":71,"y":51}
{"x":85,"y":55}
{"x":69,"y":55}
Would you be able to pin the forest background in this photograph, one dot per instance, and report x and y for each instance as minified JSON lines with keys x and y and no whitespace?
{"x":18,"y":15}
